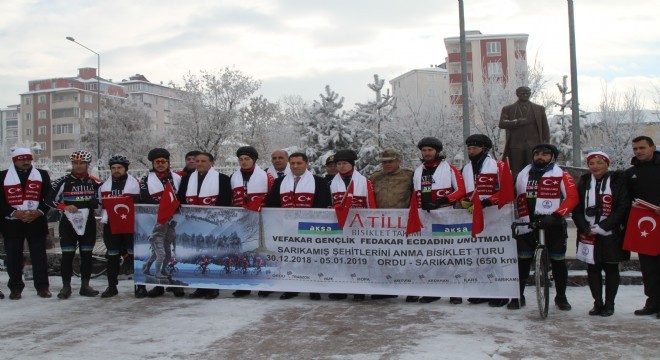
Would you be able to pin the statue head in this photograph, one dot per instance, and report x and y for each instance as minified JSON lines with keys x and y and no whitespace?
{"x":523,"y":93}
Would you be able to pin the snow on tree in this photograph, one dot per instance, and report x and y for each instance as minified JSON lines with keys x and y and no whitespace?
{"x":127,"y":129}
{"x":212,"y":100}
{"x":621,"y":119}
{"x":260,"y":120}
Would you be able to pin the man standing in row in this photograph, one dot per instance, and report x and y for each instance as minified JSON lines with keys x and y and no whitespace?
{"x":76,"y":194}
{"x":301,"y":189}
{"x":205,"y":187}
{"x":280,"y":164}
{"x":152,"y":187}
{"x":23,"y":190}
{"x":250,"y":186}
{"x":544,"y":193}
{"x":330,"y":168}
{"x":191,"y":163}
{"x":437,"y":184}
{"x":642,"y":177}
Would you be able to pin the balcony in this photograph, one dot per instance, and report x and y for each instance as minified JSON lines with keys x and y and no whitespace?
{"x":456,"y":57}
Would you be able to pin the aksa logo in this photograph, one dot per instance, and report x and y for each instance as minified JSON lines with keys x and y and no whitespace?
{"x":451,"y":229}
{"x":318,"y":228}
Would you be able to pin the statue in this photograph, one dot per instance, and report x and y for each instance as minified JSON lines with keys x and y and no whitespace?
{"x":526,"y":126}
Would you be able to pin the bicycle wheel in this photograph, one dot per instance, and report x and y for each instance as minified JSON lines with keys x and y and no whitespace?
{"x":99,"y":261}
{"x":542,"y":281}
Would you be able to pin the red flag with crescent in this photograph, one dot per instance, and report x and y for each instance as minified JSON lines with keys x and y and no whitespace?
{"x":506,"y":194}
{"x":121,"y":214}
{"x":168,"y":204}
{"x":643,"y":232}
{"x":477,"y":215}
{"x":414,"y":223}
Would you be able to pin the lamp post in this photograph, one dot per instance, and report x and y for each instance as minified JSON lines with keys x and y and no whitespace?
{"x":98,"y":102}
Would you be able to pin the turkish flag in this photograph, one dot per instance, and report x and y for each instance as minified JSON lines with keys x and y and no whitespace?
{"x":506,"y":194}
{"x":341,"y":210}
{"x":477,"y":214}
{"x":414,"y":223}
{"x":168,"y":204}
{"x":121,"y":214}
{"x":642,"y":233}
{"x":255,"y":203}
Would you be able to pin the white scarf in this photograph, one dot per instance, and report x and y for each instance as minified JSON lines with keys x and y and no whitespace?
{"x":271,"y":170}
{"x":444,"y":182}
{"x":487,"y":183}
{"x":131,"y":187}
{"x":256,"y":186}
{"x":14,"y":194}
{"x":605,"y":200}
{"x":360,"y":190}
{"x":156,"y":187}
{"x":303,"y":196}
{"x":208,"y":192}
{"x":548,"y":195}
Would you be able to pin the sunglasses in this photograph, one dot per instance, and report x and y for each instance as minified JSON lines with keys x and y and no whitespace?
{"x":160,"y":162}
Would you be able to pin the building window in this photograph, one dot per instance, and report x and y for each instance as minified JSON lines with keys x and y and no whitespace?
{"x":28,"y":100}
{"x":493,"y":48}
{"x":63,"y":129}
{"x":88,"y":99}
{"x":42,"y":145}
{"x":42,"y":130}
{"x":89,"y":114}
{"x":42,"y":114}
{"x":64,"y":146}
{"x":495,"y":69}
{"x":42,"y":99}
{"x":28,"y":116}
{"x":28,"y":132}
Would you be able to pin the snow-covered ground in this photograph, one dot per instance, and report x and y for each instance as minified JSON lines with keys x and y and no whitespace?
{"x":254,"y":328}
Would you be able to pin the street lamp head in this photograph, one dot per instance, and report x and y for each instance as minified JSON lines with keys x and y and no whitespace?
{"x":70,"y":38}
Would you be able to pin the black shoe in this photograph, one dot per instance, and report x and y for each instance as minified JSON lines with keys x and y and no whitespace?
{"x":241,"y":293}
{"x":657,"y":316}
{"x":288,"y":295}
{"x":646,"y":311}
{"x":516,"y":304}
{"x":562,"y":304}
{"x":110,"y":292}
{"x":381,"y":297}
{"x":455,"y":300}
{"x":314,"y":296}
{"x":177,"y":291}
{"x":608,"y":310}
{"x":65,"y":293}
{"x":198,"y":293}
{"x":358,"y":297}
{"x":411,"y":299}
{"x":264,"y":294}
{"x":156,"y":292}
{"x":2,"y":296}
{"x":44,"y":293}
{"x":428,"y":299}
{"x":141,"y":292}
{"x":337,"y":296}
{"x":497,"y":302}
{"x":477,"y":300}
{"x":15,"y":295}
{"x":212,"y":294}
{"x":597,"y":309}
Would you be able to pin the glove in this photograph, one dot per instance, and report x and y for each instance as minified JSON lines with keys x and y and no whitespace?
{"x":429,"y":205}
{"x":486,"y":203}
{"x":466,"y":204}
{"x":471,"y":209}
{"x":548,"y":221}
{"x":598,"y":230}
{"x":442,"y":201}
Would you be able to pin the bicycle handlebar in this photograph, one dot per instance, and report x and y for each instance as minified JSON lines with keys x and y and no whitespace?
{"x":534,"y":225}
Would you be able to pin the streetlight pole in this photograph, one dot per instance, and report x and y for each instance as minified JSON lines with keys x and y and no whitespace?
{"x":98,"y":102}
{"x":575,"y":104}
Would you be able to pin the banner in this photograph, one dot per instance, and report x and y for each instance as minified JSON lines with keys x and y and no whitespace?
{"x":305,"y":250}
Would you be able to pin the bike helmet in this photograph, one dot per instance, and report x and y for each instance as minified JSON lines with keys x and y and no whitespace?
{"x":546,"y":148}
{"x":81,"y":155}
{"x":119,"y":159}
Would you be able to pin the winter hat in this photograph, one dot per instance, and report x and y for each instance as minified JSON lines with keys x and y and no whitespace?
{"x":600,"y":155}
{"x":21,"y":154}
{"x":346,"y":155}
{"x":479,"y":140}
{"x":249,"y":151}
{"x":430,"y":142}
{"x":158,"y":153}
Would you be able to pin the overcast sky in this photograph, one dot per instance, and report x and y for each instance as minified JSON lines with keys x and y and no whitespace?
{"x":297,"y":47}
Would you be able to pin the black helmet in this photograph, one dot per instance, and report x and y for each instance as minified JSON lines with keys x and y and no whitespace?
{"x":158,"y":153}
{"x":546,"y":148}
{"x":479,"y":140}
{"x":430,"y":142}
{"x":119,"y":159}
{"x":346,"y":155}
{"x":249,"y":151}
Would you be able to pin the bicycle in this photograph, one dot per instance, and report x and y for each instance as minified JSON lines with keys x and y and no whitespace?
{"x":99,"y":261}
{"x":541,"y":267}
